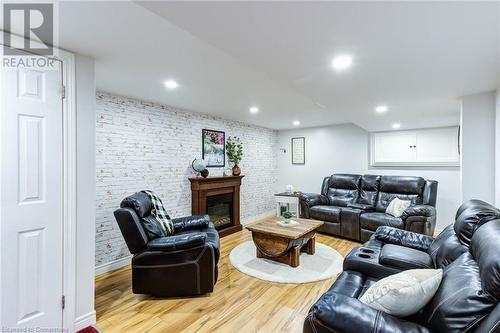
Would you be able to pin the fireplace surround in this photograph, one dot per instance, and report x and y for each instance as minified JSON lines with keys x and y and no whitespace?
{"x":219,"y":197}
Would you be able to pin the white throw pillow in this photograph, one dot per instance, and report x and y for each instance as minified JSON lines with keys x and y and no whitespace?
{"x":404,"y":293}
{"x":397,"y":207}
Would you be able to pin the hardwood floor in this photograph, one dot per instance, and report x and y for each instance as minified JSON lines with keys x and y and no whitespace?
{"x":239,"y":303}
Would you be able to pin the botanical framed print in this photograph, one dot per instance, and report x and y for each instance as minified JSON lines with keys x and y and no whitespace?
{"x":214,"y":148}
{"x":299,"y":150}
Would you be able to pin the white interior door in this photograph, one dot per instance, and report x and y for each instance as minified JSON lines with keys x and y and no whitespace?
{"x":31,"y":198}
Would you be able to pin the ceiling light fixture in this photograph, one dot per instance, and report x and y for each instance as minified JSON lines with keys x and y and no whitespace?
{"x":396,"y":125}
{"x":296,"y":123}
{"x":171,"y":84}
{"x":381,"y":108}
{"x":254,"y":109}
{"x":341,"y":62}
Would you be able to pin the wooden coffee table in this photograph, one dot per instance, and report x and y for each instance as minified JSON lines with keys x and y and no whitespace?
{"x":284,"y":244}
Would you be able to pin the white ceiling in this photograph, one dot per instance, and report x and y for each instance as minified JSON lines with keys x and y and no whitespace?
{"x":416,"y":57}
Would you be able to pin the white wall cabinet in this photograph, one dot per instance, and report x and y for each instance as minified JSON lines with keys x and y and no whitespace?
{"x":427,"y":147}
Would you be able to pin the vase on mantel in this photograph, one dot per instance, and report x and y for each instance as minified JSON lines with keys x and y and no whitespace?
{"x":236,"y":170}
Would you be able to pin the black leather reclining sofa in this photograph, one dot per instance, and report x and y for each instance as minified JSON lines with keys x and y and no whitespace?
{"x":353,"y":206}
{"x":467,"y":299}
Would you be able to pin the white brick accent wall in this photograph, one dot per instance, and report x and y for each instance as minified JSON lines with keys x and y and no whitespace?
{"x":142,"y":145}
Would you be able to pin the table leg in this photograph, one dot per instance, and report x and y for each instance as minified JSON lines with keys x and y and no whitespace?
{"x":295,"y":256}
{"x":278,"y":209}
{"x":311,"y":245}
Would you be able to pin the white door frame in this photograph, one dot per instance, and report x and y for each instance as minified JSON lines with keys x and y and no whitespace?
{"x":69,"y":184}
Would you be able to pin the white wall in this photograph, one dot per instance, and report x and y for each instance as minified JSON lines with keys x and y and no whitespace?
{"x":478,"y":146}
{"x":345,"y":149}
{"x":142,"y":145}
{"x":85,"y":221}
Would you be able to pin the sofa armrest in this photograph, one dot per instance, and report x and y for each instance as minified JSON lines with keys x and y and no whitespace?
{"x":366,"y":208}
{"x":420,"y":218}
{"x":177,"y":242}
{"x":195,"y":222}
{"x":313,"y":199}
{"x":418,"y":210}
{"x":308,"y":200}
{"x":405,"y":238}
{"x":340,"y":313}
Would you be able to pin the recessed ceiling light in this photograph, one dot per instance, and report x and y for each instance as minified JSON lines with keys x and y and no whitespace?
{"x":171,"y":84}
{"x":396,"y":125}
{"x":341,"y":62}
{"x":254,"y":109}
{"x":296,"y":123}
{"x":381,"y":108}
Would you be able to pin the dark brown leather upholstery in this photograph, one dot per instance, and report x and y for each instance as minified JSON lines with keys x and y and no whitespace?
{"x":353,"y":206}
{"x":441,"y":251}
{"x":467,"y":299}
{"x":184,"y":263}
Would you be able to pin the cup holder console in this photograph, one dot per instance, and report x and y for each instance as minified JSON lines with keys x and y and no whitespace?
{"x":365,"y":253}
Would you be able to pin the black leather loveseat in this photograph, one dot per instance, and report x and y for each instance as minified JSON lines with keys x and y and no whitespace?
{"x":184,"y":263}
{"x":353,"y":206}
{"x":467,"y":298}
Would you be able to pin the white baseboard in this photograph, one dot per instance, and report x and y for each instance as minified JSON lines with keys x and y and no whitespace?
{"x":112,"y":265}
{"x":258,"y":217}
{"x":84,"y":321}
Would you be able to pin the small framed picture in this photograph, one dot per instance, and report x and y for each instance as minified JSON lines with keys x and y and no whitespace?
{"x":214,"y":147}
{"x":299,"y":150}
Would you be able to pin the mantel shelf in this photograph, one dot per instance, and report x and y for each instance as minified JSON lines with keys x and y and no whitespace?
{"x":214,"y":178}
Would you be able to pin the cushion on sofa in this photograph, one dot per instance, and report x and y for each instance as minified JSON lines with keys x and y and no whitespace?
{"x":372,"y":221}
{"x":402,"y":187}
{"x":446,"y":248}
{"x":343,"y":189}
{"x":473,"y":216}
{"x":403,"y":294}
{"x":369,"y":190}
{"x":471,"y":285}
{"x":325,"y":213}
{"x":404,"y":257}
{"x":397,"y":207}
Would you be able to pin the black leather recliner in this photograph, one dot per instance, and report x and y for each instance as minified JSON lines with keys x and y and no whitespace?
{"x":182,"y":264}
{"x":468,"y":296}
{"x":353,"y":206}
{"x":392,"y":250}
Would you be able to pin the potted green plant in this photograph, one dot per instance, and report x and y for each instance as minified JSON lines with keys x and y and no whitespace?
{"x":287,"y":215}
{"x":234,"y":151}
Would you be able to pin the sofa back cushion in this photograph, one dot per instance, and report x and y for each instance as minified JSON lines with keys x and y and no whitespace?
{"x":142,"y":205}
{"x":368,"y":191}
{"x":470,"y":288}
{"x":470,"y":216}
{"x":140,"y":202}
{"x":402,"y":187}
{"x":485,"y":248}
{"x":343,"y":189}
{"x":446,"y":248}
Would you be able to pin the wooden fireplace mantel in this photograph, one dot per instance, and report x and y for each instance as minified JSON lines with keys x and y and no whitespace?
{"x":203,"y":187}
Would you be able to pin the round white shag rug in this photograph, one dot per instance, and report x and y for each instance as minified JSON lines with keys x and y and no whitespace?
{"x":324,"y":264}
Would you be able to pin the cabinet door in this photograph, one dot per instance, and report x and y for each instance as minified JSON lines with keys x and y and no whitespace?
{"x":393,"y":147}
{"x":437,"y":145}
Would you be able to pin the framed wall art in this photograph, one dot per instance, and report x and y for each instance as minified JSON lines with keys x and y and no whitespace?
{"x":299,"y":150}
{"x":214,"y":148}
